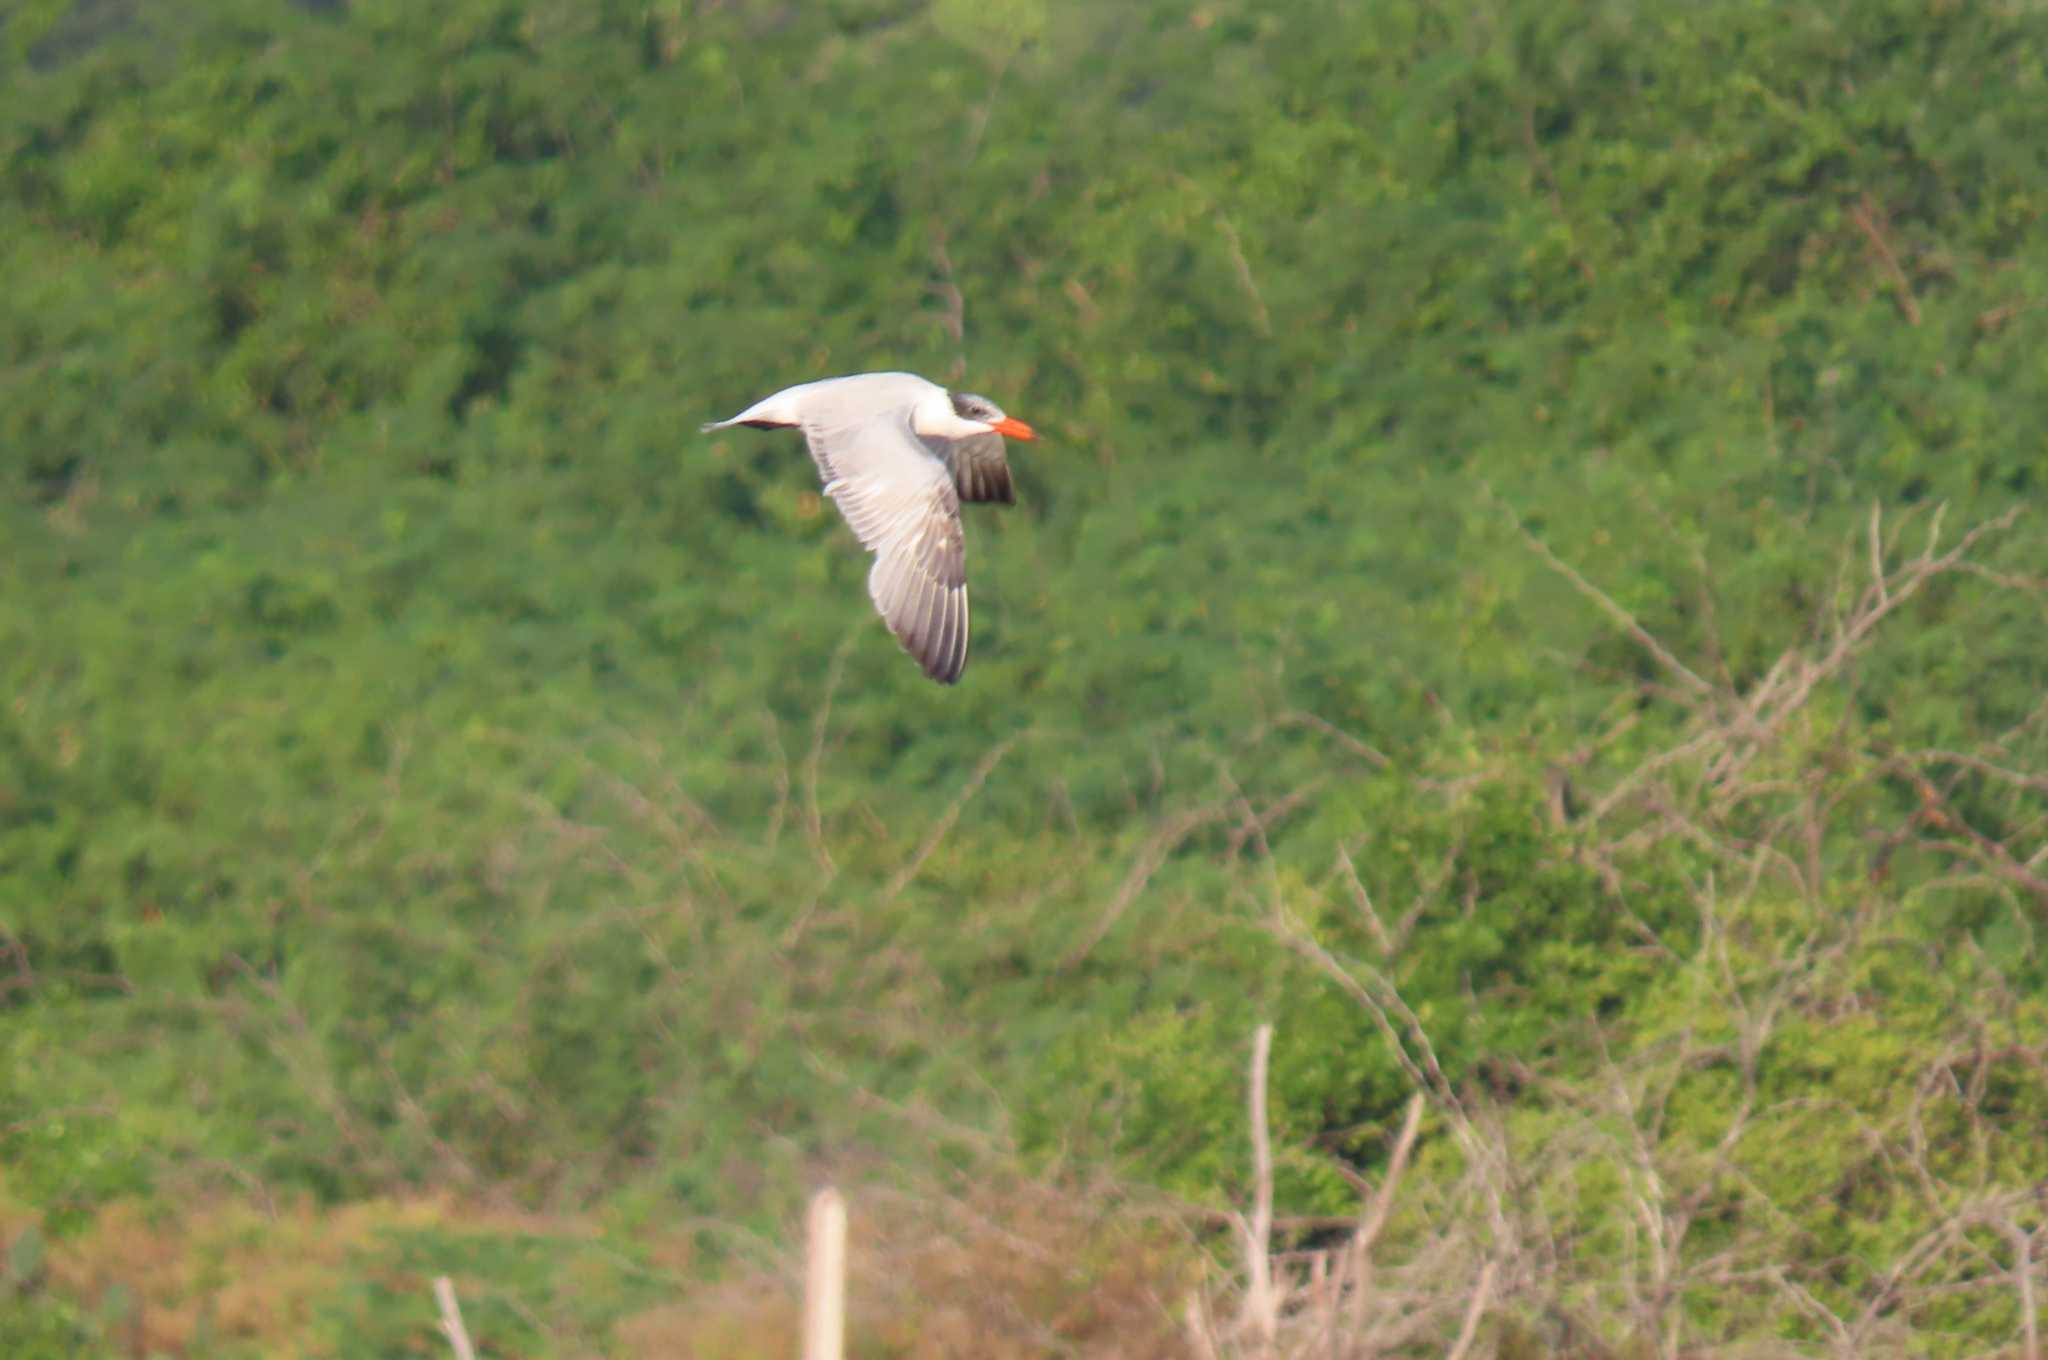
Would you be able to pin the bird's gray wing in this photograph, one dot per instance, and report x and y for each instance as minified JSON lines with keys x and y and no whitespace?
{"x":981,"y":471}
{"x":901,"y":504}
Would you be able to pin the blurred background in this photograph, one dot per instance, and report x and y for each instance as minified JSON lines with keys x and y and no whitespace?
{"x":1495,"y":597}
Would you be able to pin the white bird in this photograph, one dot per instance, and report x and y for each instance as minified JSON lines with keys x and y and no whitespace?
{"x":898,"y":454}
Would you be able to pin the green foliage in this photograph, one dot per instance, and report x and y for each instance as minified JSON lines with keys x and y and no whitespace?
{"x":424,"y":762}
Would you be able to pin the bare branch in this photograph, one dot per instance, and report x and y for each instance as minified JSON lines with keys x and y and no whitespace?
{"x":982,"y":769}
{"x":1261,"y":1301}
{"x":1482,"y":1294}
{"x":1363,"y":901}
{"x":1864,"y":215}
{"x":814,"y":822}
{"x":1606,"y":602}
{"x":2022,"y":1243}
{"x":1302,"y":718}
{"x":1162,"y":843}
{"x":451,"y":1318}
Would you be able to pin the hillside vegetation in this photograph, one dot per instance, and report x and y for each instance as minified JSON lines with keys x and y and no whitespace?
{"x":1531,"y":585}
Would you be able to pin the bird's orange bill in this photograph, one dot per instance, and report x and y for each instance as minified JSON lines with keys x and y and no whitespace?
{"x":1015,"y":429}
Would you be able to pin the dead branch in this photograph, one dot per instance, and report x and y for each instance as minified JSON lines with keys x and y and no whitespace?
{"x":1374,"y":1217}
{"x":1363,"y":901}
{"x":1864,"y":214}
{"x":932,"y":838}
{"x":1936,"y":811}
{"x":1606,"y":602}
{"x":1261,"y":1309}
{"x":1482,"y":1294}
{"x":1302,"y":718}
{"x":451,"y":1318}
{"x":814,"y":822}
{"x":773,"y":836}
{"x":2022,"y":1243}
{"x":1262,"y":321}
{"x":1157,"y":848}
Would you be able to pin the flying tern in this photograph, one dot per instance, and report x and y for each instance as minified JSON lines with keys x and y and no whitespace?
{"x":897,"y":454}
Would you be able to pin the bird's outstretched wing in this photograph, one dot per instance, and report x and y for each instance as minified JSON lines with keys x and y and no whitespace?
{"x":902,"y":505}
{"x":980,"y":467}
